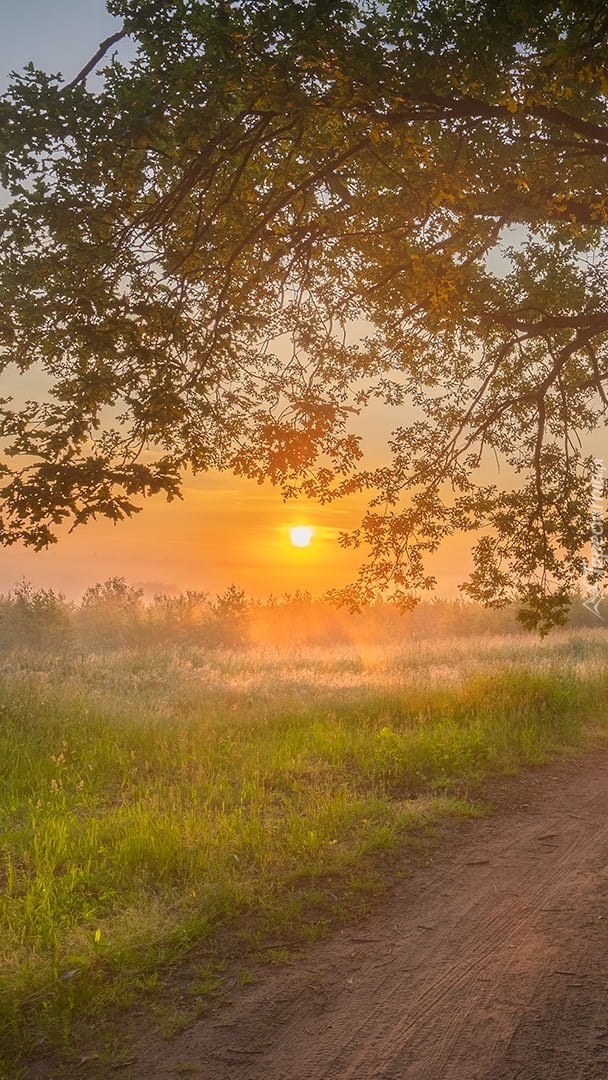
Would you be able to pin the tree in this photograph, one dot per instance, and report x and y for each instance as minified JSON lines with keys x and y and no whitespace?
{"x":188,"y":246}
{"x":111,"y":614}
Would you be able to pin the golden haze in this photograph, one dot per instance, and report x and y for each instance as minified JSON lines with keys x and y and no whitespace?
{"x":226,"y":530}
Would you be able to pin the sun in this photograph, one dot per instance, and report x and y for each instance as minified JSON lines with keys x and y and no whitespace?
{"x":301,"y":535}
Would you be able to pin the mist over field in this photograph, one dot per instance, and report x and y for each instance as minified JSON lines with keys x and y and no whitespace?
{"x":114,"y":615}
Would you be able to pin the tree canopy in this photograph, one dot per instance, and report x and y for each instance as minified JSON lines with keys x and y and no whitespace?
{"x":193,"y":238}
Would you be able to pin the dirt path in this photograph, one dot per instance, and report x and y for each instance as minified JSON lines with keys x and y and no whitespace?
{"x":490,"y":963}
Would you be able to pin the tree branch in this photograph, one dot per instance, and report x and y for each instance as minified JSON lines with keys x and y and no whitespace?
{"x":102,"y":50}
{"x":466,"y":107}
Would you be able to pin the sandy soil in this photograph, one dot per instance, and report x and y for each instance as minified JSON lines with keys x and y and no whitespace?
{"x":491,"y":962}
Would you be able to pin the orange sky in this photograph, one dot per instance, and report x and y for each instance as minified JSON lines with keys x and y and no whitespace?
{"x":226,"y":530}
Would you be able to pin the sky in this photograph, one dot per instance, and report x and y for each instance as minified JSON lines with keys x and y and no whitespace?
{"x":56,"y":35}
{"x":226,"y":530}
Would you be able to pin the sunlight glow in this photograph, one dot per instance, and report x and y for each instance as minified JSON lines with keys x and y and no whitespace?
{"x":301,"y":535}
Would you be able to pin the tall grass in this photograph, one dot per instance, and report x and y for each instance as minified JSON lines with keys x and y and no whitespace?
{"x":152,"y":802}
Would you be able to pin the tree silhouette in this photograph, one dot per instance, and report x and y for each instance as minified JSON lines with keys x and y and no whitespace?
{"x":189,"y":244}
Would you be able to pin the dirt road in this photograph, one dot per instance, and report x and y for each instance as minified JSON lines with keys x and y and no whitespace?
{"x":490,"y":963}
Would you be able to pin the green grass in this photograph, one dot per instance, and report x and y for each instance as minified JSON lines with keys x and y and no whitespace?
{"x":154,"y":804}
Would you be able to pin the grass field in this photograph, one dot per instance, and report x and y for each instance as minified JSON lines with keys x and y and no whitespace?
{"x":169,"y":808}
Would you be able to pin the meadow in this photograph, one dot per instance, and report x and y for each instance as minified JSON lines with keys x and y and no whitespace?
{"x":180,"y":811}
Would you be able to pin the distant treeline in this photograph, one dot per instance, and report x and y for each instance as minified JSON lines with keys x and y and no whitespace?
{"x":114,"y":615}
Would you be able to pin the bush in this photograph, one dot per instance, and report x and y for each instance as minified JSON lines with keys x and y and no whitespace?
{"x":35,"y":619}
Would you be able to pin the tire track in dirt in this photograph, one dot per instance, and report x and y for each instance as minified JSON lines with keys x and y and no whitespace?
{"x":450,"y":982}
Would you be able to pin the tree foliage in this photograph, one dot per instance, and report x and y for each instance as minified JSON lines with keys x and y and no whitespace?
{"x":189,"y":243}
